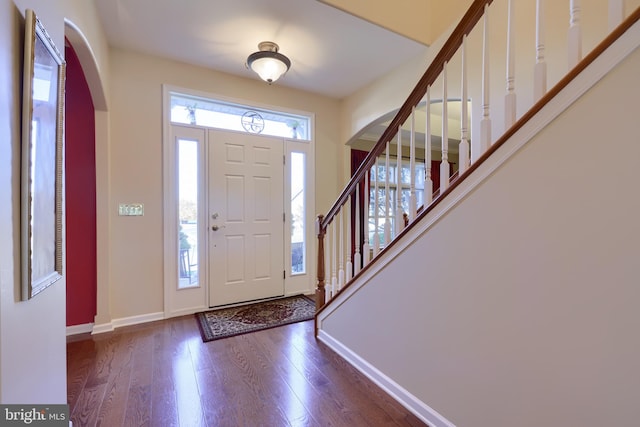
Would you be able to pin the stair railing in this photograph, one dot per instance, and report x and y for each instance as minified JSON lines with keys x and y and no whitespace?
{"x":384,"y":197}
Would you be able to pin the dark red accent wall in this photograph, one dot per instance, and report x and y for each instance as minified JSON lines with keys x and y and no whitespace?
{"x":80,"y":195}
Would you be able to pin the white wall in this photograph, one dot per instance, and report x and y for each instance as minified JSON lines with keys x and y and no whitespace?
{"x":136,"y":256}
{"x":519,"y":306}
{"x":32,"y":333}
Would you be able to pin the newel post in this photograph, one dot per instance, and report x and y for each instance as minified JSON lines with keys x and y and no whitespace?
{"x":320,"y":292}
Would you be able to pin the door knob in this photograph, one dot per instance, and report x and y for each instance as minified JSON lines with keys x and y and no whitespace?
{"x":214,"y":227}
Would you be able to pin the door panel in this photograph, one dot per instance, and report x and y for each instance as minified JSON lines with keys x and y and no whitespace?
{"x":246,"y":202}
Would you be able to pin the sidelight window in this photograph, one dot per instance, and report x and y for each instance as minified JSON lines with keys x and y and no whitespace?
{"x":298,"y":241}
{"x":187,"y":213}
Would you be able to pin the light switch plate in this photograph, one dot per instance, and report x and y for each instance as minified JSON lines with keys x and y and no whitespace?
{"x":131,"y":209}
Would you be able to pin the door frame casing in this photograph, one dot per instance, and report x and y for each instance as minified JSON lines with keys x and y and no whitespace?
{"x":300,"y":283}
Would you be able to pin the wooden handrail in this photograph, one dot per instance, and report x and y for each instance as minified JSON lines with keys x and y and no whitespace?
{"x":457,"y":179}
{"x":464,"y":27}
{"x":450,"y":47}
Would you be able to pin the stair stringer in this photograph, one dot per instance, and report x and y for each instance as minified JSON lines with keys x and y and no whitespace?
{"x":377,"y":349}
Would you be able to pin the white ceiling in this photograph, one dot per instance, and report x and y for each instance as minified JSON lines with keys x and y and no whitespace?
{"x":331,"y":52}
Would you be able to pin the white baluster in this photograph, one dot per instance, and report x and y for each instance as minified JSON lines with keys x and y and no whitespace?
{"x":366,"y":247}
{"x":616,"y":13}
{"x":444,"y":164}
{"x":376,"y":210}
{"x":485,"y":123}
{"x":357,"y":259}
{"x":399,"y":217}
{"x":327,"y":268}
{"x":387,"y":201}
{"x":334,"y":259}
{"x":349,"y":263}
{"x":575,"y":34}
{"x":510,"y":97}
{"x":540,"y":70}
{"x":413,"y":202}
{"x":428,"y":183}
{"x":463,"y":156}
{"x":341,"y":246}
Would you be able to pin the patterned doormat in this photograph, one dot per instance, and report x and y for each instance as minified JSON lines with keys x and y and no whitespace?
{"x":227,"y":322}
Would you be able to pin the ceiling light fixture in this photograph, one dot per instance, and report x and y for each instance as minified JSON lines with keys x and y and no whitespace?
{"x":268,"y":63}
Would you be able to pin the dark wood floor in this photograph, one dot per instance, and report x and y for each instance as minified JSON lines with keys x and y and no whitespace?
{"x":162,"y":374}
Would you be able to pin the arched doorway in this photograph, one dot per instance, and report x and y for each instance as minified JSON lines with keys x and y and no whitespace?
{"x":80,"y":194}
{"x":91,"y":304}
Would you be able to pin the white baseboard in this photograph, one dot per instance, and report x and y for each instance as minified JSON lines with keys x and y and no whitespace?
{"x":79,"y":329}
{"x":393,"y":389}
{"x":127,"y":321}
{"x":102,"y":328}
{"x":615,"y":54}
{"x":136,"y":320}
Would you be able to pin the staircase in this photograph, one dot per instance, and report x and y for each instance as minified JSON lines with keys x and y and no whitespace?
{"x":509,"y":299}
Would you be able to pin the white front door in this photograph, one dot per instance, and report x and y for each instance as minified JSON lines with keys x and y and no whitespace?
{"x":246,"y":212}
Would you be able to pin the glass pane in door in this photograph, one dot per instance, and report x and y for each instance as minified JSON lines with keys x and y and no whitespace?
{"x":187,"y":213}
{"x":298,"y":249}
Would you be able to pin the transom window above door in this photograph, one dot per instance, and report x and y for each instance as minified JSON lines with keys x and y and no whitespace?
{"x":187,"y":109}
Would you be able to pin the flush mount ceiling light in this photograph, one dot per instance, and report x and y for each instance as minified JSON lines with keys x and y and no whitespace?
{"x":268,"y":63}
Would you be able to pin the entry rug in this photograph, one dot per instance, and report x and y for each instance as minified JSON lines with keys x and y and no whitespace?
{"x":227,"y":322}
